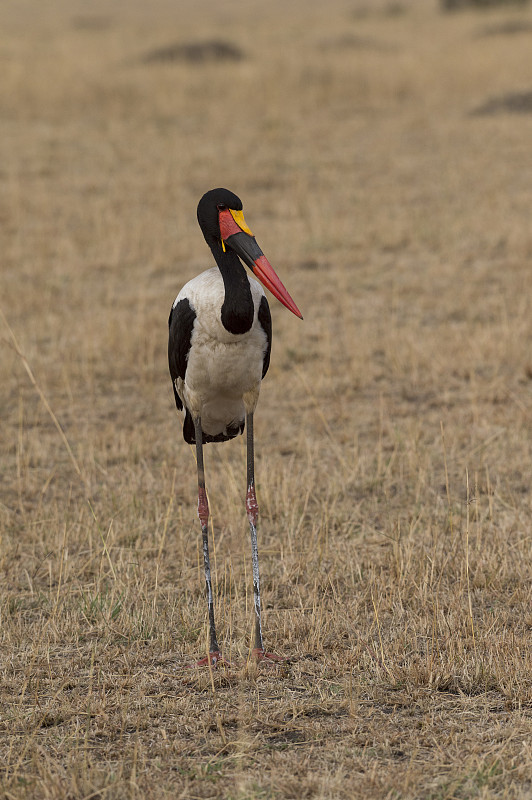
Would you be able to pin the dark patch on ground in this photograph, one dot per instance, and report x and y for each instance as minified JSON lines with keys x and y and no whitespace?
{"x":513,"y":103}
{"x":214,"y":50}
{"x":393,"y":9}
{"x":286,"y":738}
{"x":351,"y":41}
{"x":90,"y":23}
{"x":459,"y":5}
{"x":509,"y":28}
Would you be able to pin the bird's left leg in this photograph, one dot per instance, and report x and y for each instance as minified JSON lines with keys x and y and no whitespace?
{"x":252,"y":509}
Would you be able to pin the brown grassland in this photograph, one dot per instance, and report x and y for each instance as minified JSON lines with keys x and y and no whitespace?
{"x":390,"y":184}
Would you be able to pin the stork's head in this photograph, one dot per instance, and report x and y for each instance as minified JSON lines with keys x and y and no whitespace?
{"x":222,"y":221}
{"x":208,"y":212}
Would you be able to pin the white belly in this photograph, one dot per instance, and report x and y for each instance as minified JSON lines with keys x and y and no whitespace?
{"x":224,"y":370}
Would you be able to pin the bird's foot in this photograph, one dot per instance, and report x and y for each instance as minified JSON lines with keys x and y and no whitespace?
{"x":260,"y":655}
{"x":214,"y":659}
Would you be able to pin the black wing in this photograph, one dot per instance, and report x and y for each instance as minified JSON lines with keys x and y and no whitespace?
{"x":265,"y":321}
{"x":180,"y":324}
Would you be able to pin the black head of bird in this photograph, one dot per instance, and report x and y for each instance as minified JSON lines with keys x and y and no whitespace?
{"x":222,"y":222}
{"x":208,"y":212}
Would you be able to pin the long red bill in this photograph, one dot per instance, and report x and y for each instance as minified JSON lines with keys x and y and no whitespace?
{"x":267,"y":276}
{"x":235,"y":234}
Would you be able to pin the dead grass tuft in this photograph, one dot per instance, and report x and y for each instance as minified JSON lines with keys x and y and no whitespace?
{"x":195,"y":53}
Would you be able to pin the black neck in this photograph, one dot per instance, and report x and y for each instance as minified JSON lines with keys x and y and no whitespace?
{"x":237,"y":308}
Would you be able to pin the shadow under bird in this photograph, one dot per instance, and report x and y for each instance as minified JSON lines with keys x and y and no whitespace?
{"x":220,"y":336}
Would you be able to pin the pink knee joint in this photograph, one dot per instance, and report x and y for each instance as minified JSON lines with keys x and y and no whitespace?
{"x":203,"y":507}
{"x":252,"y":507}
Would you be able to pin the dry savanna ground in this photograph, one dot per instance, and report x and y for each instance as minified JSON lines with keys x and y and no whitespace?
{"x":383,"y":152}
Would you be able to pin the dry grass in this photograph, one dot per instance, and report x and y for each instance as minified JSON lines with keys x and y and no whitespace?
{"x":393,"y":431}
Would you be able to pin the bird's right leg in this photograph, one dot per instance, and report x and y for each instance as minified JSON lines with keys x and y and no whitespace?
{"x":252,"y":509}
{"x":203,"y":513}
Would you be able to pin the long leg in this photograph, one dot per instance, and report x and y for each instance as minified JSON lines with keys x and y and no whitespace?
{"x":203,"y":514}
{"x":252,"y":509}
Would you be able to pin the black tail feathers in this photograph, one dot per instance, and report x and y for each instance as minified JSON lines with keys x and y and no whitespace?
{"x":189,"y":432}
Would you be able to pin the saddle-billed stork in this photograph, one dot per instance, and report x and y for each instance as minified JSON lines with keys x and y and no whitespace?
{"x":220,"y":336}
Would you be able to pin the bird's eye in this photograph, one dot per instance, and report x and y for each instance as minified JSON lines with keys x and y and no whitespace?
{"x":221,"y":206}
